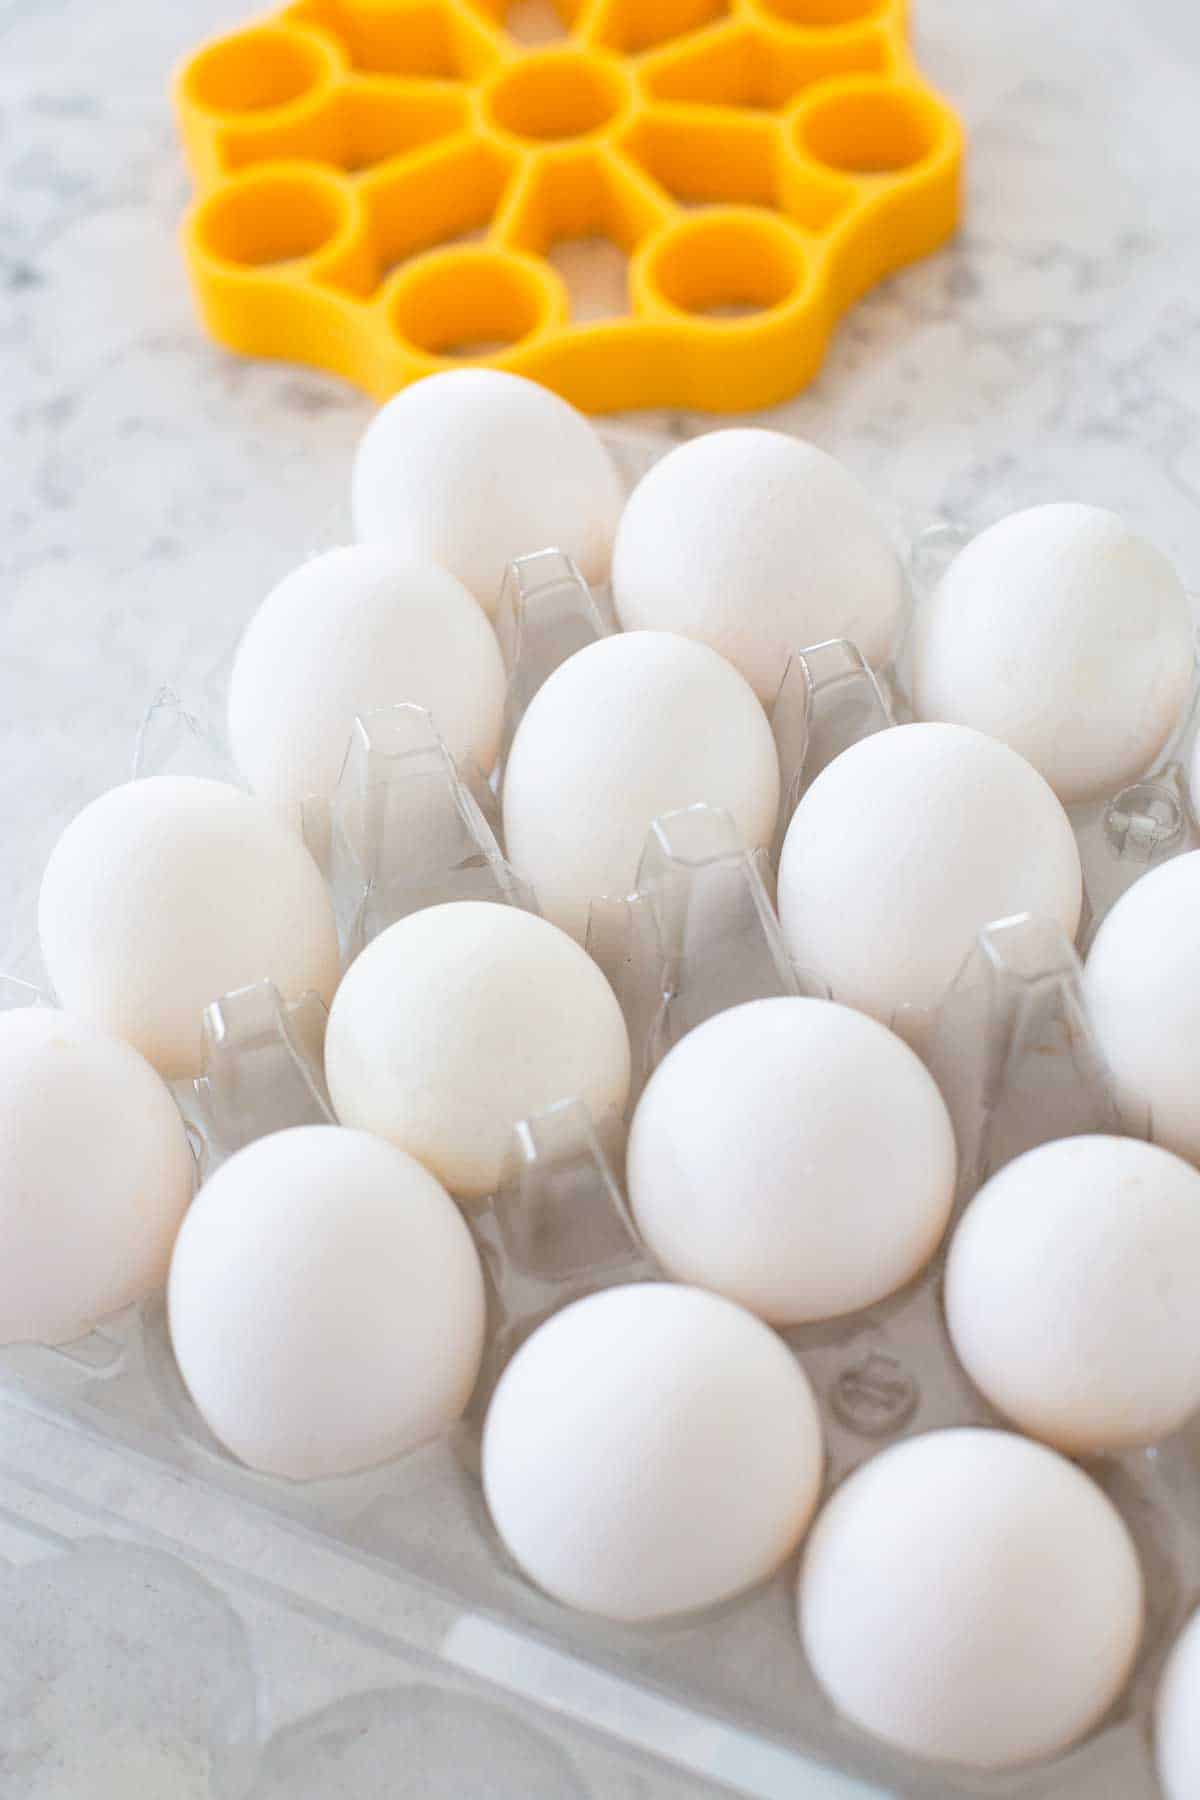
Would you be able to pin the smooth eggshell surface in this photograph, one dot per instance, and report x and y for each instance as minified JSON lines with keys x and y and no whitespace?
{"x":474,"y":467}
{"x":96,"y":1174}
{"x":1142,"y":986}
{"x":352,"y":631}
{"x":759,"y":545}
{"x":750,"y":1173}
{"x":164,"y":895}
{"x":326,"y":1304}
{"x":1177,"y":1718}
{"x":462,"y":1020}
{"x":1066,"y":635}
{"x":651,"y":1450}
{"x":971,"y":1597}
{"x":1073,"y":1293}
{"x":635,"y":726}
{"x":904,"y":848}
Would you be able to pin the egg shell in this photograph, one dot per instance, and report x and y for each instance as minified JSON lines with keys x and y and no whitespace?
{"x":750,"y":1173}
{"x":1142,"y":987}
{"x":1073,"y":1293}
{"x":632,"y":727}
{"x":96,"y":1174}
{"x":473,"y":467}
{"x":904,"y":848}
{"x":1177,"y":1718}
{"x":352,"y":631}
{"x":163,"y":896}
{"x":759,"y":545}
{"x":326,"y":1304}
{"x":462,"y":1020}
{"x":971,"y":1597}
{"x":1068,"y":636}
{"x":651,"y":1450}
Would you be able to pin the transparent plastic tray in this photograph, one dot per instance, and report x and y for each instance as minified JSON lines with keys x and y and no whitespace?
{"x":725,"y":1695}
{"x":140,"y":1665}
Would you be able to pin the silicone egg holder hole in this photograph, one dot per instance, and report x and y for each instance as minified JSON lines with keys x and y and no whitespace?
{"x":728,"y":1694}
{"x":342,"y":150}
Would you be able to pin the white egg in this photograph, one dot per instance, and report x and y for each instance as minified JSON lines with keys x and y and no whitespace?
{"x":632,"y":727}
{"x":96,"y":1174}
{"x":651,"y":1450}
{"x":347,"y":633}
{"x":1073,"y":1293}
{"x":1142,"y":986}
{"x":474,"y":467}
{"x":1068,"y":636}
{"x":971,"y":1597}
{"x":759,"y":545}
{"x":462,"y":1020}
{"x":164,"y":895}
{"x":750,"y":1172}
{"x":326,"y":1304}
{"x":904,"y":847}
{"x":1177,"y":1718}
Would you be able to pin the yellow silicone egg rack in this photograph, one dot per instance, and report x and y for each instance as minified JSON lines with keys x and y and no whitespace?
{"x":381,"y":182}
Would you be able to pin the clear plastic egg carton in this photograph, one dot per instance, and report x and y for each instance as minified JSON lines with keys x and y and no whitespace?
{"x":725,"y":1695}
{"x":136,"y":1666}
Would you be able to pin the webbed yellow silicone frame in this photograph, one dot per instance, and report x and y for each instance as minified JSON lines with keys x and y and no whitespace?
{"x":381,"y":181}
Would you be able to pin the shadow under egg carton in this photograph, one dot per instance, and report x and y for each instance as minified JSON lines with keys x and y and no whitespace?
{"x":383,"y":186}
{"x":727,"y":1694}
{"x":134,"y":1663}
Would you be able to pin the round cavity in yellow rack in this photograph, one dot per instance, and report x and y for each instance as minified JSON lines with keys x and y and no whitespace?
{"x":473,"y":302}
{"x":759,"y":164}
{"x":277,"y":214}
{"x":822,"y":15}
{"x":871,"y":128}
{"x":557,"y":95}
{"x":258,"y":71}
{"x":726,"y":265}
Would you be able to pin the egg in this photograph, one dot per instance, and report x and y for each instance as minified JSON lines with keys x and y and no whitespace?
{"x":750,"y":1173}
{"x":1068,"y":636}
{"x":345,"y":634}
{"x":651,"y":1450}
{"x":462,"y":1020}
{"x":1073,"y":1293}
{"x":326,"y":1304}
{"x":625,"y":730}
{"x":164,"y":895}
{"x":473,"y":467}
{"x":971,"y":1597}
{"x":1142,"y":988}
{"x":1177,"y":1718}
{"x":759,"y":545}
{"x":904,"y":847}
{"x":96,"y":1174}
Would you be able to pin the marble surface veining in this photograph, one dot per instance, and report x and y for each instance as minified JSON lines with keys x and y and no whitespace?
{"x":154,"y":487}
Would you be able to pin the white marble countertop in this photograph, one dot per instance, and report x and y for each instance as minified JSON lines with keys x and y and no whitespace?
{"x":154,"y":487}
